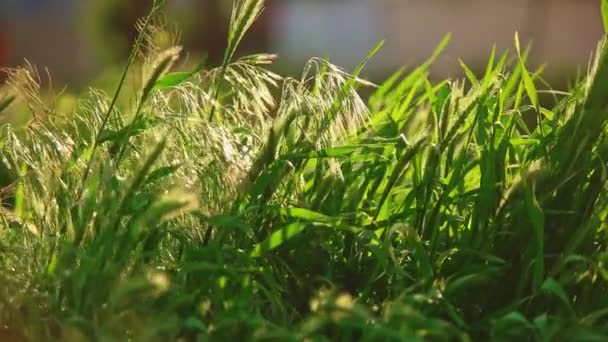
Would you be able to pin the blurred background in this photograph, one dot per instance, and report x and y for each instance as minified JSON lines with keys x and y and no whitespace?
{"x":78,"y":39}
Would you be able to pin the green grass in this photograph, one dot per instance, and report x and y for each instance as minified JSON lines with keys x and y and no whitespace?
{"x":236,"y":203}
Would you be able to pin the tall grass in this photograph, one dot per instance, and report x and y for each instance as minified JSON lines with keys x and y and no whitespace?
{"x":236,"y":203}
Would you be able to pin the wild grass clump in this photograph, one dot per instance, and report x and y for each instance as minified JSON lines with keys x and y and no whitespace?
{"x":235,"y":203}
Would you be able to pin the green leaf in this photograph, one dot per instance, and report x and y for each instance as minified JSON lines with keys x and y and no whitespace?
{"x":110,"y":135}
{"x":547,"y":113}
{"x":382,"y":93}
{"x":516,"y":317}
{"x":339,"y":151}
{"x":305,"y":214}
{"x":119,"y":136}
{"x":517,"y":45}
{"x":439,"y":49}
{"x":277,"y":238}
{"x":228,"y":222}
{"x":169,"y":206}
{"x":526,"y":79}
{"x":470,"y":75}
{"x":175,"y":79}
{"x":367,"y":58}
{"x":195,"y":324}
{"x":490,"y":66}
{"x":595,"y":316}
{"x":466,"y":282}
{"x":172,"y":79}
{"x":530,"y":89}
{"x":523,"y":141}
{"x":166,"y":60}
{"x":552,"y":287}
{"x":514,"y":324}
{"x":161,"y":173}
{"x":316,"y":218}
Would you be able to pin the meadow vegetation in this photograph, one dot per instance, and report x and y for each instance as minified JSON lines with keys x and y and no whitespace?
{"x":232,"y":202}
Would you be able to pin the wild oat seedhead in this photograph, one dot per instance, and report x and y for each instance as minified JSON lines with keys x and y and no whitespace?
{"x":336,"y":108}
{"x":25,"y":82}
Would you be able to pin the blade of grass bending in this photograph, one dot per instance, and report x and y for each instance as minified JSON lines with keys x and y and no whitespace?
{"x":420,"y":72}
{"x":468,"y":72}
{"x":175,"y":79}
{"x":526,"y":78}
{"x":487,"y":77}
{"x":553,"y":288}
{"x":317,"y":218}
{"x":140,"y":38}
{"x":381,"y":93}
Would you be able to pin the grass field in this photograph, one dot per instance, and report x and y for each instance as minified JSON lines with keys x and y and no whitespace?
{"x":234,"y":203}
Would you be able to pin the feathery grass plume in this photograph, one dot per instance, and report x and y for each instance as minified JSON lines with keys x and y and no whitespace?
{"x":160,"y":66}
{"x":244,"y":14}
{"x":25,"y":83}
{"x":221,"y":157}
{"x":333,"y":85}
{"x":254,"y":98}
{"x":158,"y":35}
